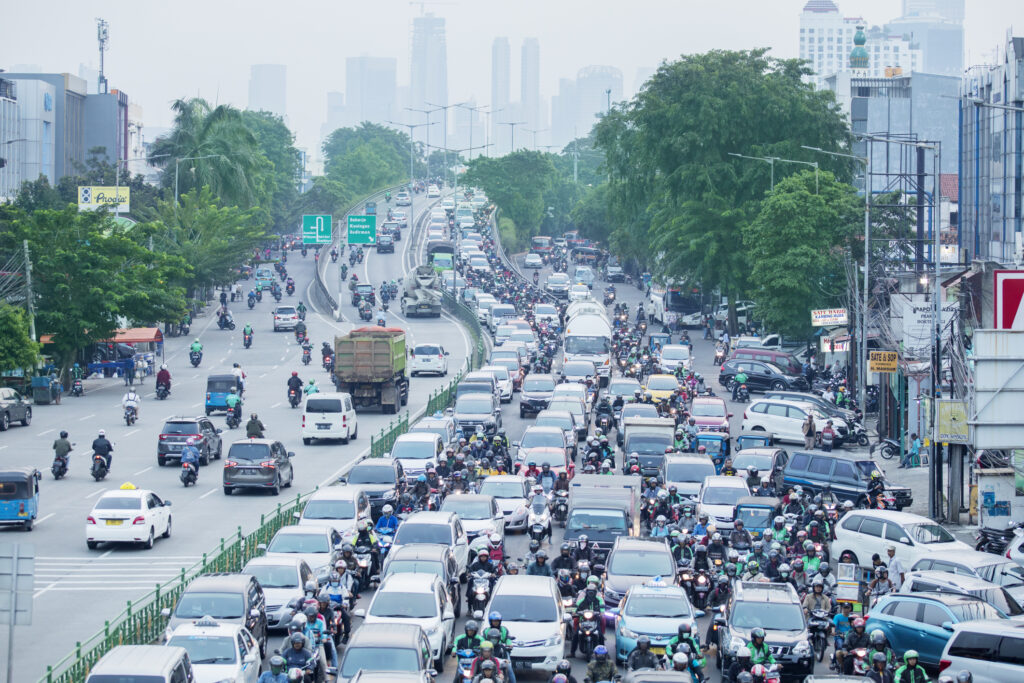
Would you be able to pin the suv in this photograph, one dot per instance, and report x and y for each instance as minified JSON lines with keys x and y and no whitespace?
{"x":825,"y":407}
{"x":775,"y":607}
{"x":847,"y":474}
{"x":863,"y":532}
{"x":710,"y":414}
{"x":992,"y":650}
{"x":385,"y":244}
{"x":227,"y":598}
{"x":13,"y":407}
{"x":633,"y":562}
{"x":761,"y":376}
{"x":536,"y":394}
{"x":179,"y":429}
{"x":329,"y":415}
{"x":285,"y":318}
{"x":258,"y":464}
{"x":783,"y":420}
{"x":381,"y":478}
{"x":404,"y":647}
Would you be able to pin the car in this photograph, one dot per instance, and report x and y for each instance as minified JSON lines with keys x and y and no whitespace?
{"x":226,"y":653}
{"x":575,"y":390}
{"x":536,"y":393}
{"x":478,"y":409}
{"x":846,"y":474}
{"x":448,"y":204}
{"x":452,"y":281}
{"x":652,"y":609}
{"x":919,"y":621}
{"x":686,"y":472}
{"x":862,"y":533}
{"x":341,"y":508}
{"x":661,"y":387}
{"x":990,"y":649}
{"x":480,"y":264}
{"x":440,"y":424}
{"x":156,"y":663}
{"x":428,"y":358}
{"x":13,"y":408}
{"x":544,"y":445}
{"x":393,"y":228}
{"x":576,"y":406}
{"x":506,"y":387}
{"x":774,"y":607}
{"x":228,"y":598}
{"x":503,"y":332}
{"x":479,"y":514}
{"x":177,"y":430}
{"x":426,"y":558}
{"x":385,"y":244}
{"x":285,"y":318}
{"x":257,"y":464}
{"x":784,"y":420}
{"x":674,"y":355}
{"x":710,"y":413}
{"x":946,"y":582}
{"x":579,"y":293}
{"x":615,"y":273}
{"x":825,"y":407}
{"x":433,"y":191}
{"x":562,"y":419}
{"x":416,"y":451}
{"x":584,"y":275}
{"x":558,"y":285}
{"x":381,"y":478}
{"x":635,"y":561}
{"x":420,"y":599}
{"x":435,"y":234}
{"x":999,"y":570}
{"x":404,"y":648}
{"x":527,"y":338}
{"x":510,"y":359}
{"x":533,"y":260}
{"x":435,"y":526}
{"x":329,"y":415}
{"x":717,"y":498}
{"x":314,"y":545}
{"x":625,"y":387}
{"x":761,"y":376}
{"x":510,"y":490}
{"x":282,"y":580}
{"x":545,"y":312}
{"x":581,"y":371}
{"x":483,"y":307}
{"x":766,"y":460}
{"x":128,"y":515}
{"x":531,"y":610}
{"x":403,"y":198}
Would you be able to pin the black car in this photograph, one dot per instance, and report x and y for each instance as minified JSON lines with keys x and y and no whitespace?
{"x":761,"y":376}
{"x":381,"y":478}
{"x":847,"y":474}
{"x":775,"y":607}
{"x":385,"y":244}
{"x":178,"y":430}
{"x":13,"y":408}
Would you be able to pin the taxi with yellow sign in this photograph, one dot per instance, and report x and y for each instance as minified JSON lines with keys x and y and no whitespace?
{"x":654,"y":609}
{"x":128,"y":515}
{"x":661,"y":387}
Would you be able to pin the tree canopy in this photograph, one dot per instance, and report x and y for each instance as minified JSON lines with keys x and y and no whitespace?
{"x":369,"y":157}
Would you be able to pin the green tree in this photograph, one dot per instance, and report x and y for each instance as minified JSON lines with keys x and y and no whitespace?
{"x":38,"y":194}
{"x":277,"y":143}
{"x":592,"y":214}
{"x":369,"y":157}
{"x":519,"y":183}
{"x":797,"y":245}
{"x":17,"y":349}
{"x":326,"y":196}
{"x":235,"y":168}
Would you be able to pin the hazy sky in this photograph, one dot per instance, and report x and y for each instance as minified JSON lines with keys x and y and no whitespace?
{"x":160,"y":51}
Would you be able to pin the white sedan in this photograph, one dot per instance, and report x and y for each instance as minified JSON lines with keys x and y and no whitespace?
{"x":220,"y":653}
{"x":533,"y":261}
{"x":128,"y":515}
{"x":433,"y":192}
{"x":579,"y":293}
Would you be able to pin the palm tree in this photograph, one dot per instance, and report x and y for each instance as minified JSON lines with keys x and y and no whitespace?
{"x":236,"y":170}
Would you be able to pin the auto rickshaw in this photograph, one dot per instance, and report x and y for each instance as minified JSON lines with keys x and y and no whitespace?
{"x":19,"y":496}
{"x":758,"y":440}
{"x":658,"y":340}
{"x":757,"y":513}
{"x":217,"y":389}
{"x":716,"y":445}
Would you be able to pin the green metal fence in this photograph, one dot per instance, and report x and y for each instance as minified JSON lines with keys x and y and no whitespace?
{"x":443,"y":397}
{"x":141,"y":621}
{"x":468,"y":317}
{"x":381,"y":444}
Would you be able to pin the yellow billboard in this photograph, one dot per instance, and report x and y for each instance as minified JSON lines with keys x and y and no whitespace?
{"x":92,"y":197}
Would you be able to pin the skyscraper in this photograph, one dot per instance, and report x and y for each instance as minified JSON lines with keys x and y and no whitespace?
{"x":370,"y":84}
{"x":268,"y":88}
{"x":563,"y":112}
{"x":429,"y":78}
{"x":950,"y":10}
{"x":530,"y":84}
{"x":501,"y":58}
{"x":596,"y":86}
{"x":336,"y":114}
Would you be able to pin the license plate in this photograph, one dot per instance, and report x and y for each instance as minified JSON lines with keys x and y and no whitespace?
{"x":658,"y":650}
{"x":323,"y":426}
{"x":114,"y":522}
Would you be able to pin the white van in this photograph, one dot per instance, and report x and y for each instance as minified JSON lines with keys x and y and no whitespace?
{"x":589,"y":337}
{"x":329,"y":416}
{"x":530,"y":609}
{"x":143,"y":664}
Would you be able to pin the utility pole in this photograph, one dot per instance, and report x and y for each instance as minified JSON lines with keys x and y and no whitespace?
{"x":608,"y":96}
{"x":28,"y":292}
{"x":513,"y":125}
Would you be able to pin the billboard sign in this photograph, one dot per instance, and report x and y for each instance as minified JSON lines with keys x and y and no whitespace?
{"x":953,"y":427}
{"x":1009,"y":299}
{"x":92,"y":197}
{"x":883,"y":361}
{"x":829,"y":317}
{"x":362,"y":229}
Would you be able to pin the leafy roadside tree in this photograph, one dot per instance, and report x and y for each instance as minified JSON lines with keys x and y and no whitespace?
{"x":17,"y":349}
{"x":592,"y":214}
{"x":519,"y":183}
{"x":325,"y":196}
{"x":369,"y":157}
{"x":277,"y":143}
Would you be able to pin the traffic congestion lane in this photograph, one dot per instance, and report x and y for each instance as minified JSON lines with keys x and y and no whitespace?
{"x":95,"y":584}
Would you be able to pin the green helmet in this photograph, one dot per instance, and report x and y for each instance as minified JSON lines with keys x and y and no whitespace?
{"x":593,"y":581}
{"x":910,"y":654}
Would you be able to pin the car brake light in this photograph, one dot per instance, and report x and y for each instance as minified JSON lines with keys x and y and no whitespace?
{"x":207,"y":395}
{"x":440,"y":356}
{"x":944,"y":664}
{"x":163,"y":437}
{"x":1008,"y":550}
{"x":303,"y":419}
{"x":269,"y":464}
{"x":230,"y":463}
{"x":21,"y":508}
{"x":90,"y":520}
{"x":139,"y":520}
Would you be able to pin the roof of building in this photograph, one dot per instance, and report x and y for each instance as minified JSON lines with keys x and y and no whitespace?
{"x":820,"y":6}
{"x":949,"y":185}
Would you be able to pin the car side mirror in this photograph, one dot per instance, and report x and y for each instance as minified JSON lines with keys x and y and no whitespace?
{"x":359,"y":612}
{"x":720,"y":619}
{"x":947,"y":625}
{"x":165,"y":612}
{"x":291,"y":454}
{"x":250,"y":658}
{"x":296,"y":515}
{"x":219,"y":430}
{"x":446,"y":353}
{"x":167,"y":503}
{"x":448,"y":614}
{"x":904,"y":540}
{"x":261,"y":546}
{"x":342,"y":480}
{"x":254,"y":612}
{"x":729,"y":415}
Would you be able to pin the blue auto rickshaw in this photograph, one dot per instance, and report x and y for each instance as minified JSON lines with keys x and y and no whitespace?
{"x":716,"y":445}
{"x":757,"y":513}
{"x":19,"y":496}
{"x":658,"y":340}
{"x":217,"y":389}
{"x":759,"y":440}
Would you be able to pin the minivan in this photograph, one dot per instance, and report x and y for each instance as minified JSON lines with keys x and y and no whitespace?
{"x":531,"y":609}
{"x":477,"y":410}
{"x":932,"y":581}
{"x":536,"y":393}
{"x":257,"y":464}
{"x":998,"y":570}
{"x":991,"y":649}
{"x":329,"y":416}
{"x":686,"y":472}
{"x":227,"y":598}
{"x":143,"y":664}
{"x":500,"y":312}
{"x":783,"y":420}
{"x":342,"y":508}
{"x":403,"y":646}
{"x":417,"y":451}
{"x":847,"y":474}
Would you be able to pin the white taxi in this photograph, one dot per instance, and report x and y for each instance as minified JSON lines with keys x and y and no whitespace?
{"x":220,"y":653}
{"x":128,"y":515}
{"x":579,"y":292}
{"x":433,"y":191}
{"x":285,"y":318}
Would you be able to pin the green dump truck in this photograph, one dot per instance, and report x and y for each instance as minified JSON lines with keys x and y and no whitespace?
{"x":369,"y":364}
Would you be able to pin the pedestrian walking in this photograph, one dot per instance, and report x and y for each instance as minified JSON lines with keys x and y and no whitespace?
{"x":129,"y":374}
{"x":809,"y":431}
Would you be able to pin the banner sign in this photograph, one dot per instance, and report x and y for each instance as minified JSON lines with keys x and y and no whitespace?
{"x":92,"y":197}
{"x":829,"y":317}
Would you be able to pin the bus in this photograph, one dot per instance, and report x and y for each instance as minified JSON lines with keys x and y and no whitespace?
{"x":669,"y":304}
{"x":541,"y":244}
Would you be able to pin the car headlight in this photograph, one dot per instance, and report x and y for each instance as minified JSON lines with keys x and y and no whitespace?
{"x":802,"y":648}
{"x":520,"y":510}
{"x":433,"y":631}
{"x":553,"y":641}
{"x":735,"y":643}
{"x":626,"y":633}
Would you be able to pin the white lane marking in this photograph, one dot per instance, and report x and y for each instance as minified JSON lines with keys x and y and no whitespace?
{"x":106,"y":554}
{"x":207,"y":493}
{"x":263,"y":375}
{"x":40,"y":521}
{"x":196,"y":405}
{"x":95,"y":493}
{"x":87,"y":417}
{"x":276,"y":405}
{"x":46,"y":432}
{"x":2,"y":447}
{"x":131,"y":432}
{"x":143,"y":471}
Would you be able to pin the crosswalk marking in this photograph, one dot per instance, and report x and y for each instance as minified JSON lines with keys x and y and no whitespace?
{"x":106,"y":572}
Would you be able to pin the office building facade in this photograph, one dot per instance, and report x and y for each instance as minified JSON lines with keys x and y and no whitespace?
{"x":268,"y":88}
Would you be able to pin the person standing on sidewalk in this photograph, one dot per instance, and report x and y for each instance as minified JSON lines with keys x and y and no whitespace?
{"x":809,"y":431}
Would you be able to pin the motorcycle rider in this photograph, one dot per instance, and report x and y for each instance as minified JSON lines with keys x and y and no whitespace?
{"x":311,"y":387}
{"x":686,"y":521}
{"x":880,"y":645}
{"x":642,"y":657}
{"x":601,"y":668}
{"x":163,"y":376}
{"x":681,"y":550}
{"x":880,"y":672}
{"x":911,"y":671}
{"x":539,"y":566}
{"x":778,"y":532}
{"x":741,"y":664}
{"x":234,"y":401}
{"x":297,"y":656}
{"x":254,"y":428}
{"x":760,"y":653}
{"x":101,"y":446}
{"x":716,"y":548}
{"x":131,"y":400}
{"x":876,"y":487}
{"x":387,"y":523}
{"x":739,"y":537}
{"x":494,"y":622}
{"x":547,"y":477}
{"x":687,"y":636}
{"x":470,"y":640}
{"x":190,"y":455}
{"x":62,"y":447}
{"x":196,"y":347}
{"x":583,"y":551}
{"x":753,"y":478}
{"x":881,"y":584}
{"x":277,"y":673}
{"x":856,"y":639}
{"x":739,"y":380}
{"x":817,"y":599}
{"x":753,"y":572}
{"x":295,"y":382}
{"x":565,"y":559}
{"x":482,"y":563}
{"x":700,"y":529}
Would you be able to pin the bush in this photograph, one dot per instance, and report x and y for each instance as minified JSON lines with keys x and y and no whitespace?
{"x":510,"y":238}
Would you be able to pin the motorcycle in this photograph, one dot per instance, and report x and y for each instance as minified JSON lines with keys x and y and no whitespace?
{"x":307,"y":357}
{"x":819,"y":625}
{"x":189,"y":474}
{"x":381,"y":322}
{"x":277,"y":295}
{"x":334,"y":257}
{"x":290,"y":288}
{"x":328,"y":362}
{"x":363,"y":562}
{"x":561,"y":511}
{"x":539,"y":520}
{"x":858,"y":434}
{"x":226,"y":323}
{"x":994,"y":541}
{"x":719,"y":356}
{"x":294,"y":398}
{"x":742,"y":394}
{"x":888,"y":448}
{"x":366,"y":314}
{"x":247,"y":340}
{"x":60,"y":466}
{"x":233,"y":418}
{"x":76,"y":388}
{"x":183,"y":329}
{"x":99,"y":467}
{"x":252,"y":302}
{"x":195,"y":357}
{"x":162,"y":392}
{"x":481,"y":592}
{"x":465,"y":663}
{"x":861,"y":665}
{"x":589,"y":633}
{"x":701,"y":588}
{"x":130,"y":416}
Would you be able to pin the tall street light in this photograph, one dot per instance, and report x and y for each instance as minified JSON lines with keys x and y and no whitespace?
{"x":513,"y":125}
{"x":768,"y":160}
{"x":487,"y":128}
{"x":426,"y":150}
{"x":538,"y":130}
{"x":412,"y":148}
{"x":178,"y":161}
{"x":117,"y":178}
{"x":460,"y":151}
{"x":445,"y":108}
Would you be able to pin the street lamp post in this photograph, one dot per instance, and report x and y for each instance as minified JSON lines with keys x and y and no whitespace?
{"x":426,"y":150}
{"x":487,"y":129}
{"x":513,"y":125}
{"x":768,"y":160}
{"x":473,"y":110}
{"x":457,"y":152}
{"x":412,"y":148}
{"x":539,"y":130}
{"x":178,"y":161}
{"x":445,"y":108}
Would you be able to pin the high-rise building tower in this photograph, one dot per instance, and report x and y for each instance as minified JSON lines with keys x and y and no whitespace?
{"x":268,"y":88}
{"x":370,"y":84}
{"x":530,"y":84}
{"x":501,"y":58}
{"x":428,"y":81}
{"x":950,"y":10}
{"x":596,"y":87}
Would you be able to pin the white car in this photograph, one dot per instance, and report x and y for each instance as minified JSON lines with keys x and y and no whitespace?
{"x":448,"y":204}
{"x":430,"y":358}
{"x":128,"y":515}
{"x":433,"y":192}
{"x":531,"y":610}
{"x":528,"y":338}
{"x":341,"y":508}
{"x":416,"y":451}
{"x":717,"y":499}
{"x":434,"y":234}
{"x":479,"y":514}
{"x":282,"y":581}
{"x":563,"y":420}
{"x":312,"y":544}
{"x":510,"y":492}
{"x":220,"y":653}
{"x":330,"y":415}
{"x":419,"y":599}
{"x":479,"y":264}
{"x":437,"y":528}
{"x":576,"y":390}
{"x":285,"y":318}
{"x":783,"y":420}
{"x":438,"y":214}
{"x":866,"y":532}
{"x":403,"y":199}
{"x":579,"y":293}
{"x":401,"y":217}
{"x":533,"y":261}
{"x":504,"y":379}
{"x":672,"y":355}
{"x":545,"y":312}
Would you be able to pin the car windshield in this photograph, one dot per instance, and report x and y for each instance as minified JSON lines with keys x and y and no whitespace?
{"x":754,"y":517}
{"x":723,"y":495}
{"x":505,"y":330}
{"x":586,"y":344}
{"x":563,"y":423}
{"x":275,"y":575}
{"x":558,"y":280}
{"x":438,"y":534}
{"x":665,"y":606}
{"x":180,"y":428}
{"x":118,"y":503}
{"x":975,"y":609}
{"x":500,"y":373}
{"x":763,"y":463}
{"x":534,"y":438}
{"x":543,"y":309}
{"x":639,"y":410}
{"x":196,"y":605}
{"x":285,"y":310}
{"x":708,"y":409}
{"x":502,"y":489}
{"x":409,"y":449}
{"x":207,"y":649}
{"x":690,"y":472}
{"x":536,"y":608}
{"x":553,"y":457}
{"x":395,"y":605}
{"x":220,"y":386}
{"x":596,"y":520}
{"x":675,"y":353}
{"x":771,"y":616}
{"x":257,"y":452}
{"x":927,"y":533}
{"x":329,"y":509}
{"x":572,"y":405}
{"x":323,"y":405}
{"x":641,"y":563}
{"x":427,"y":350}
{"x":467,"y":508}
{"x":371,"y":475}
{"x":538,"y":384}
{"x":648,"y":443}
{"x":415,"y":567}
{"x":662,"y":384}
{"x":578,"y":369}
{"x":623,"y":388}
{"x":473,"y":406}
{"x":369,"y":658}
{"x":299,"y":543}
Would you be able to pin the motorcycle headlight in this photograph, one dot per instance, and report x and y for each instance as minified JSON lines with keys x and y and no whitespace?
{"x":735,"y":643}
{"x":802,"y":648}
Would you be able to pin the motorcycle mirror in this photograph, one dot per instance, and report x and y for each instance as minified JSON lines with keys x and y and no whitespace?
{"x":359,"y":612}
{"x":700,"y":613}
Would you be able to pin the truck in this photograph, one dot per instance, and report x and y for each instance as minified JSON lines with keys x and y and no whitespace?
{"x":648,"y":437}
{"x":422,"y":293}
{"x":369,"y":364}
{"x":588,"y":336}
{"x":603,"y":507}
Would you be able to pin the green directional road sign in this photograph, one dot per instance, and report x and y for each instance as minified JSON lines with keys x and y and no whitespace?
{"x":362,"y":230}
{"x":316,"y":229}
